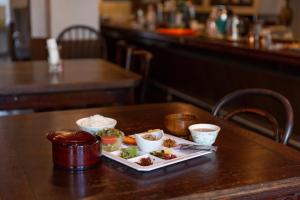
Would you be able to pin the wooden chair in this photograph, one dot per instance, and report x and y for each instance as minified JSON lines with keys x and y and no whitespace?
{"x":138,"y":61}
{"x":80,"y":41}
{"x":280,"y":136}
{"x":121,"y":53}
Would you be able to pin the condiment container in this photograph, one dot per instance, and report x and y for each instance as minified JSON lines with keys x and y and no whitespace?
{"x":75,"y":150}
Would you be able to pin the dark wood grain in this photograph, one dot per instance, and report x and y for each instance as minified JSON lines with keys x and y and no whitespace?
{"x":246,"y":165}
{"x":38,"y":49}
{"x":83,"y":82}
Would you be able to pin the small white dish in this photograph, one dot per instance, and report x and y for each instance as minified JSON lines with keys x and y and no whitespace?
{"x":147,"y":145}
{"x":95,"y":123}
{"x":204,"y":134}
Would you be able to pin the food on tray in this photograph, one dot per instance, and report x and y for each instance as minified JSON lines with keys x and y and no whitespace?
{"x":169,"y":143}
{"x":164,"y":154}
{"x":129,"y":152}
{"x":150,"y":137}
{"x":145,"y":161}
{"x":130,"y":140}
{"x":96,"y":121}
{"x":111,"y":139}
{"x":149,"y":141}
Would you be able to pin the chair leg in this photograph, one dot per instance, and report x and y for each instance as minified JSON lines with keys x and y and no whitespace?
{"x":129,"y":58}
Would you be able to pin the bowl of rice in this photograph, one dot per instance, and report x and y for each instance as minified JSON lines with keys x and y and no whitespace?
{"x":95,"y":123}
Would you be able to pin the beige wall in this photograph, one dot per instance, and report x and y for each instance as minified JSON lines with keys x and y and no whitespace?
{"x":39,"y":18}
{"x":69,"y":12}
{"x":2,"y":15}
{"x":295,"y":4}
{"x":118,"y":11}
{"x":62,"y":13}
{"x":6,"y":17}
{"x":19,"y":3}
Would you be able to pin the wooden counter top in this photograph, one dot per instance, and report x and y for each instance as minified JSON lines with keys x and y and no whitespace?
{"x":210,"y":44}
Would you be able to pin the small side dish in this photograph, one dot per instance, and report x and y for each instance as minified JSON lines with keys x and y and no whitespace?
{"x":145,"y":161}
{"x":169,"y":143}
{"x":150,"y":140}
{"x":111,"y":139}
{"x":164,"y":154}
{"x":150,"y":137}
{"x":129,"y":152}
{"x":129,"y":140}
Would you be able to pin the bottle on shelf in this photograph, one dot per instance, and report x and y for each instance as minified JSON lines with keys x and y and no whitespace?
{"x":151,"y":18}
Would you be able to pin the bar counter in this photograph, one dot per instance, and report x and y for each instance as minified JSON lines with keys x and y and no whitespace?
{"x":234,"y":48}
{"x":201,"y":70}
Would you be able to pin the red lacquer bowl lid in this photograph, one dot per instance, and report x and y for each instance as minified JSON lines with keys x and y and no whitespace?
{"x":71,"y":137}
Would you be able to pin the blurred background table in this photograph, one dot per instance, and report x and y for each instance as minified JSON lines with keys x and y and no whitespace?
{"x":246,"y":165}
{"x":83,"y":83}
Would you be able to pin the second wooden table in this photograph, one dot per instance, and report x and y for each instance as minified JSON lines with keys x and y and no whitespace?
{"x":83,"y":83}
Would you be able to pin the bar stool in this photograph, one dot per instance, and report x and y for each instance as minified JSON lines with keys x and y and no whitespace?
{"x":138,"y":61}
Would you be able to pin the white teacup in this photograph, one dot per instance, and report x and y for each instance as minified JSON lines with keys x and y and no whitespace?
{"x":204,"y":134}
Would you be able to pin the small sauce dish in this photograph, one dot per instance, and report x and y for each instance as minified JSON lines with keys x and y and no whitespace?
{"x":149,"y":141}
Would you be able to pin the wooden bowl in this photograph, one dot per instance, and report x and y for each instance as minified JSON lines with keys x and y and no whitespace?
{"x":177,"y":124}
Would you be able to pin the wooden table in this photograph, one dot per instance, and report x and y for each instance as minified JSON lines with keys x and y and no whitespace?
{"x":83,"y":83}
{"x":245,"y":165}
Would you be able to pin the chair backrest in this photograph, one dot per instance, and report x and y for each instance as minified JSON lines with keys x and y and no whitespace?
{"x":81,"y":41}
{"x":11,"y":42}
{"x":138,"y":61}
{"x":121,"y":53}
{"x":284,"y":137}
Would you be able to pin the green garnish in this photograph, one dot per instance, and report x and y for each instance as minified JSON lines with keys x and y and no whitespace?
{"x":110,"y":131}
{"x":129,"y":152}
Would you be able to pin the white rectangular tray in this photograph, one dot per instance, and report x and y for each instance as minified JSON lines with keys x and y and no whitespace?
{"x":157,"y":162}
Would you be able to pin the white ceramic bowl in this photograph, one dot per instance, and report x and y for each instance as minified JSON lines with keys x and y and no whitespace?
{"x":149,"y":145}
{"x":204,"y":134}
{"x":95,"y":123}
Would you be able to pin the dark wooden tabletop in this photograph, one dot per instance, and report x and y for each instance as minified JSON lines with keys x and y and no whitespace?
{"x":78,"y":75}
{"x":245,"y":165}
{"x":83,"y":83}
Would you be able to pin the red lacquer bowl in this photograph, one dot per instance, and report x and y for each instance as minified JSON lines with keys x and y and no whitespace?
{"x":75,"y":150}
